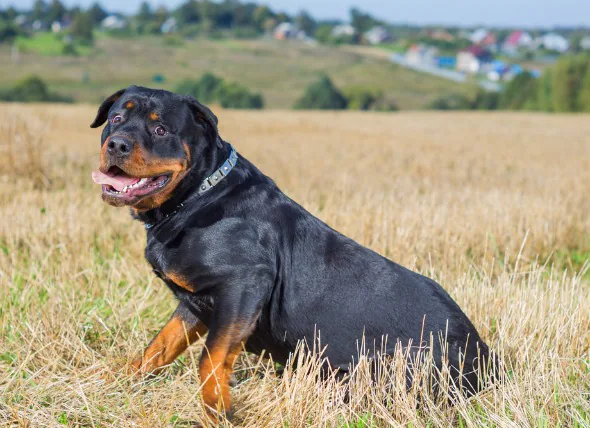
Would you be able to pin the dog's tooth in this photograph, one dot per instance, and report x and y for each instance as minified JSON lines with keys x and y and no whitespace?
{"x":124,"y":189}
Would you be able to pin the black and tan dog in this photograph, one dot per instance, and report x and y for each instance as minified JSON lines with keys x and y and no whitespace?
{"x":247,"y":264}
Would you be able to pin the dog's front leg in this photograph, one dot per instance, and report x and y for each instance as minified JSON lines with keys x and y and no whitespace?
{"x":233,"y":322}
{"x":181,"y":330}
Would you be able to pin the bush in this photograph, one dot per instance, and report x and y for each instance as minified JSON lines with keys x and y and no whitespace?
{"x":30,"y":90}
{"x":568,"y":76}
{"x":210,"y":88}
{"x":233,"y":95}
{"x":451,"y":102}
{"x":519,"y":92}
{"x":322,"y":95}
{"x":485,"y":100}
{"x":204,"y":89}
{"x":364,"y":99}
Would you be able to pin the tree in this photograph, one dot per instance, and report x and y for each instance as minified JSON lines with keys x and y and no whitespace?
{"x":362,"y":22}
{"x":322,"y":95}
{"x":97,"y":13}
{"x":305,"y":22}
{"x":519,"y":92}
{"x":323,"y":33}
{"x":188,"y":13}
{"x":161,"y":15}
{"x":39,"y":11}
{"x":544,"y":96}
{"x":261,"y":15}
{"x":568,"y":75}
{"x":144,"y":14}
{"x":584,"y":97}
{"x":485,"y":100}
{"x":233,"y":95}
{"x":210,"y":88}
{"x":81,"y":28}
{"x":56,"y":11}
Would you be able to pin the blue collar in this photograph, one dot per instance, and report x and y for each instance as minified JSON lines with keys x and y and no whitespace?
{"x":209,"y":182}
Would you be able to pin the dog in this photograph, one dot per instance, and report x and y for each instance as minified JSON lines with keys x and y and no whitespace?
{"x":251,"y":268}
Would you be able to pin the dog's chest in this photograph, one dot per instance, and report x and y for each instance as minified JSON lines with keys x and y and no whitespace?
{"x":169,"y":265}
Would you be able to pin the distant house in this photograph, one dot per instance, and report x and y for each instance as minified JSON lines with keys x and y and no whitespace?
{"x":38,"y":25}
{"x":472,"y":59}
{"x":288,"y":30}
{"x":56,"y":26}
{"x":169,"y":26}
{"x":555,"y":42}
{"x":441,"y":35}
{"x":421,"y":55}
{"x":377,"y":35}
{"x":585,"y":43}
{"x":343,"y":30}
{"x":20,"y":20}
{"x":483,"y":37}
{"x":517,"y":40}
{"x":113,"y":22}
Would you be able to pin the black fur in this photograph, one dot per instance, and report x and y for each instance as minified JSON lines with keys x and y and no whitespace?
{"x":257,"y":257}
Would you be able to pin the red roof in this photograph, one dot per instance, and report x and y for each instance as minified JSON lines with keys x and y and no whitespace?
{"x":514,"y":38}
{"x":477,"y":51}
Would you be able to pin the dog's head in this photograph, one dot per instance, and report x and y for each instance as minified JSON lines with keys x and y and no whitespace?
{"x":150,"y":144}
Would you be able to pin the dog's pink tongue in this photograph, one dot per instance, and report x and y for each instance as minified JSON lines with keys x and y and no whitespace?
{"x":118,"y":181}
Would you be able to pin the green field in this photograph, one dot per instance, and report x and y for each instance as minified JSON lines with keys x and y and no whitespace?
{"x":280,"y":70}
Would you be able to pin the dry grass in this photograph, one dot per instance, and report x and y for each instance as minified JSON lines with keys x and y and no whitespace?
{"x":494,"y":206}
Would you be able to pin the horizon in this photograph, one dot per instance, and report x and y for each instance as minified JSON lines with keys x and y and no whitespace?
{"x":454,"y":13}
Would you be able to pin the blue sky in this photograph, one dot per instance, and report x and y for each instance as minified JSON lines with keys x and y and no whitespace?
{"x":528,"y":13}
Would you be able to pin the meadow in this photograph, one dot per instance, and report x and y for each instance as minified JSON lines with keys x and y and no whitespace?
{"x":494,"y":206}
{"x":279,"y":70}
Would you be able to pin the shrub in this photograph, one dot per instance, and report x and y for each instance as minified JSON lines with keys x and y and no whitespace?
{"x":232,"y":95}
{"x":518,"y":92}
{"x":322,"y":95}
{"x":210,"y":88}
{"x":451,"y":102}
{"x":568,"y":76}
{"x":364,"y":99}
{"x":204,"y":89}
{"x":32,"y":89}
{"x":485,"y":100}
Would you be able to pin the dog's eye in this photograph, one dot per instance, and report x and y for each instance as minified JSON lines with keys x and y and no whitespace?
{"x":160,"y":130}
{"x":116,"y":118}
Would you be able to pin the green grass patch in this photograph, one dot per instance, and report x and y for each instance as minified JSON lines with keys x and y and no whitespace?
{"x":49,"y":44}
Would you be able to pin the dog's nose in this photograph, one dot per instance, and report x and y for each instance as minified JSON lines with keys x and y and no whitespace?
{"x":119,"y":146}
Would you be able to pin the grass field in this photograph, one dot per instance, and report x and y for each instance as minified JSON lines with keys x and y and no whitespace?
{"x":281,"y":71}
{"x":493,"y":206}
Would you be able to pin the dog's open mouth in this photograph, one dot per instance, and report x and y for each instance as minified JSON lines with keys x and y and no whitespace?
{"x":115,"y":182}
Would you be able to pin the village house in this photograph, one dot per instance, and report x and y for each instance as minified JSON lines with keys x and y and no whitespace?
{"x":113,"y":22}
{"x":585,"y":43}
{"x":441,"y":35}
{"x":516,"y":41}
{"x":554,"y":42}
{"x":472,"y":59}
{"x":484,"y":38}
{"x":169,"y":26}
{"x":288,"y":31}
{"x":343,"y":30}
{"x":421,"y":55}
{"x":377,"y":35}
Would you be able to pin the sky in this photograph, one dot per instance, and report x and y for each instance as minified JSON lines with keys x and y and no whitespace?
{"x":523,"y":13}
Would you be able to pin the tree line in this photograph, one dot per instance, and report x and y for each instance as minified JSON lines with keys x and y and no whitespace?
{"x":562,"y":88}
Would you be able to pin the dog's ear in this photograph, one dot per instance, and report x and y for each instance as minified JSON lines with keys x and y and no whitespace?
{"x":103,"y":110}
{"x":204,"y":116}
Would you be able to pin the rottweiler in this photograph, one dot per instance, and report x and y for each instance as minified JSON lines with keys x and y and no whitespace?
{"x":250,"y":267}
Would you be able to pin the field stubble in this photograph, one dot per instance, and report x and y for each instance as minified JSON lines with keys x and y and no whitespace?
{"x":493,"y":206}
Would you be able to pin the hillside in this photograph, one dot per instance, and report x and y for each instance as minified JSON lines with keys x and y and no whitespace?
{"x":280,"y":70}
